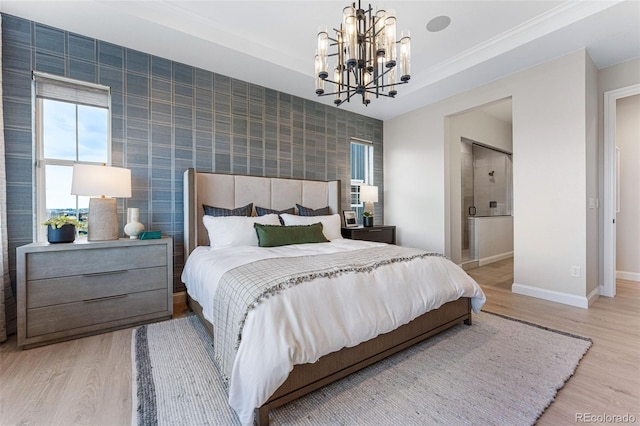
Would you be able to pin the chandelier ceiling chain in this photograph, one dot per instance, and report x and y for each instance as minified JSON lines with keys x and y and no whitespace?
{"x":366,"y":56}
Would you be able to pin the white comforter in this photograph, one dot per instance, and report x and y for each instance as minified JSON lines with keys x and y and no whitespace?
{"x":316,"y":318}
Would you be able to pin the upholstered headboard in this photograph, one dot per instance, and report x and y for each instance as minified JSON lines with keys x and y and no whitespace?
{"x":231,"y":191}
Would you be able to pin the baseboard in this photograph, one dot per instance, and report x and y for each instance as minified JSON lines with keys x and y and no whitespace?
{"x":179,"y":302}
{"x":593,"y":296}
{"x":552,"y":296}
{"x":626,"y":275}
{"x":495,"y":258}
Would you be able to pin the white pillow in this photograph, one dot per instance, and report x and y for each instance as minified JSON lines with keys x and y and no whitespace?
{"x":231,"y":231}
{"x":330,"y":224}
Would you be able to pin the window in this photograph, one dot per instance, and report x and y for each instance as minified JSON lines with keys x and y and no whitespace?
{"x":73,"y":123}
{"x":361,"y":171}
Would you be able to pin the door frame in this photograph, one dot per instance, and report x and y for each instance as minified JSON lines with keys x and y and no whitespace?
{"x":609,"y":214}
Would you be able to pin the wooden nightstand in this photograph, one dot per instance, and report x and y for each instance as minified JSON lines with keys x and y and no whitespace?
{"x":76,"y":289}
{"x":380,"y":233}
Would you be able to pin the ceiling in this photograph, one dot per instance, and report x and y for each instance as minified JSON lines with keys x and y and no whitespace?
{"x":272,"y":43}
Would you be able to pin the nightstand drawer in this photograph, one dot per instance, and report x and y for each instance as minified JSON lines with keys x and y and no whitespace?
{"x":376,"y":233}
{"x":66,"y":263}
{"x":77,"y":288}
{"x":52,"y":319}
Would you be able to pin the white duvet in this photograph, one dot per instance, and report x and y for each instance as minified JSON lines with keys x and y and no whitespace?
{"x":315,"y":318}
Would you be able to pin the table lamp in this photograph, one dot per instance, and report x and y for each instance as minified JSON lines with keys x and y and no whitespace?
{"x":103,"y":182}
{"x":368,"y":195}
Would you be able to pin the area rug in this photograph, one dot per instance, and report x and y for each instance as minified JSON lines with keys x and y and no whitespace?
{"x":498,"y":371}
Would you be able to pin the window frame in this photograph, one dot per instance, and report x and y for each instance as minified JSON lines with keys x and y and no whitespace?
{"x":368,"y":178}
{"x":39,"y":192}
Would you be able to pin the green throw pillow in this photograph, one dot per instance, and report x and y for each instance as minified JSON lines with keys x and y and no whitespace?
{"x":275,"y":235}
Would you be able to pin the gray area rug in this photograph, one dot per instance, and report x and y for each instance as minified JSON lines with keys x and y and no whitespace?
{"x":499,"y":371}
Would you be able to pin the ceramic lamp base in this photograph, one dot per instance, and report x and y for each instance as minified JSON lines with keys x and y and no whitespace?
{"x":103,"y":219}
{"x":133,"y":228}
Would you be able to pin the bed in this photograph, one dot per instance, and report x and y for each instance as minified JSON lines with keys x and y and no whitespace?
{"x":359,"y":343}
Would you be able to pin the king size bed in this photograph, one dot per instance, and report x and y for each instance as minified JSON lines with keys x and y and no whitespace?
{"x":293,"y":306}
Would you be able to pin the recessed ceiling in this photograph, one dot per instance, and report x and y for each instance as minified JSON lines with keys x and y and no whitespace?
{"x":272,"y":43}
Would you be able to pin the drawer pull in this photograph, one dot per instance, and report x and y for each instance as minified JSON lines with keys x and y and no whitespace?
{"x":100,"y":299}
{"x":375,"y":230}
{"x":122,"y":271}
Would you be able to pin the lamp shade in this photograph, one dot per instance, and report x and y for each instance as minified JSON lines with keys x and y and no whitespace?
{"x":369,"y":193}
{"x":92,"y":180}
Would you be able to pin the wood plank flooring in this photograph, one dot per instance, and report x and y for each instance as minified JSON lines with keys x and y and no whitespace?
{"x":88,"y":381}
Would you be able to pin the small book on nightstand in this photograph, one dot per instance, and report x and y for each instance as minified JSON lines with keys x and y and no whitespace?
{"x":150,"y":235}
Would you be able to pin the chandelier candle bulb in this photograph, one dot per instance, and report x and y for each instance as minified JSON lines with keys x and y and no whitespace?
{"x":381,"y":44}
{"x":390,"y":28}
{"x":405,"y":56}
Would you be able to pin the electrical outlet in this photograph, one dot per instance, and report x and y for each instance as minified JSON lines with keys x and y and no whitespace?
{"x":575,"y":271}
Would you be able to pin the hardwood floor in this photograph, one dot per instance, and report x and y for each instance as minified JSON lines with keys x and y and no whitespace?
{"x":88,"y":381}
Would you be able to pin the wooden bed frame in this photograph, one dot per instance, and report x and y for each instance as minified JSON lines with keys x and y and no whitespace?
{"x":306,"y":378}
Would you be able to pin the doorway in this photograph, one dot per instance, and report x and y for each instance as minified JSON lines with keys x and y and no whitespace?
{"x":487,"y":225}
{"x":610,"y":186}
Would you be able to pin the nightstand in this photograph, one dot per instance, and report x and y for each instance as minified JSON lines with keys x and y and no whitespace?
{"x":380,"y":233}
{"x":77,"y":289}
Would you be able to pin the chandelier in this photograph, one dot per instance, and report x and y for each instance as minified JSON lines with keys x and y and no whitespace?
{"x":366,"y":56}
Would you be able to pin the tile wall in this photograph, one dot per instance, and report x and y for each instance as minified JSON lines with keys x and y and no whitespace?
{"x":167,"y":117}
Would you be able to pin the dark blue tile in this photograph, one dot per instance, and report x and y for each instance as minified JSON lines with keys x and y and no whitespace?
{"x":161,"y":68}
{"x":222,"y":143}
{"x":117,"y":104}
{"x":161,"y":134}
{"x":18,"y":142}
{"x":19,"y":226}
{"x":16,"y":31}
{"x":204,"y":160}
{"x":137,"y":85}
{"x":204,"y":79}
{"x":204,"y":99}
{"x":161,"y":151}
{"x":17,"y":114}
{"x":136,"y":134}
{"x":204,"y":120}
{"x":183,"y":138}
{"x":161,"y":90}
{"x":239,"y":125}
{"x":222,"y":84}
{"x":19,"y":169}
{"x":16,"y":85}
{"x":110,"y":54}
{"x":204,"y":141}
{"x":239,"y":105}
{"x":19,"y":196}
{"x":221,"y":103}
{"x":222,"y":123}
{"x":183,"y":154}
{"x":49,"y":63}
{"x":83,"y":48}
{"x":112,"y":77}
{"x":16,"y":58}
{"x":137,"y":62}
{"x":183,"y":116}
{"x":82,"y":70}
{"x":182,"y":73}
{"x":161,"y":112}
{"x":49,"y":39}
{"x":137,"y":108}
{"x":183,"y":94}
{"x":240,"y":165}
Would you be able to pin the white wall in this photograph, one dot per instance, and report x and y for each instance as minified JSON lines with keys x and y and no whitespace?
{"x":592,"y":160}
{"x":549,"y":174}
{"x":628,"y":219}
